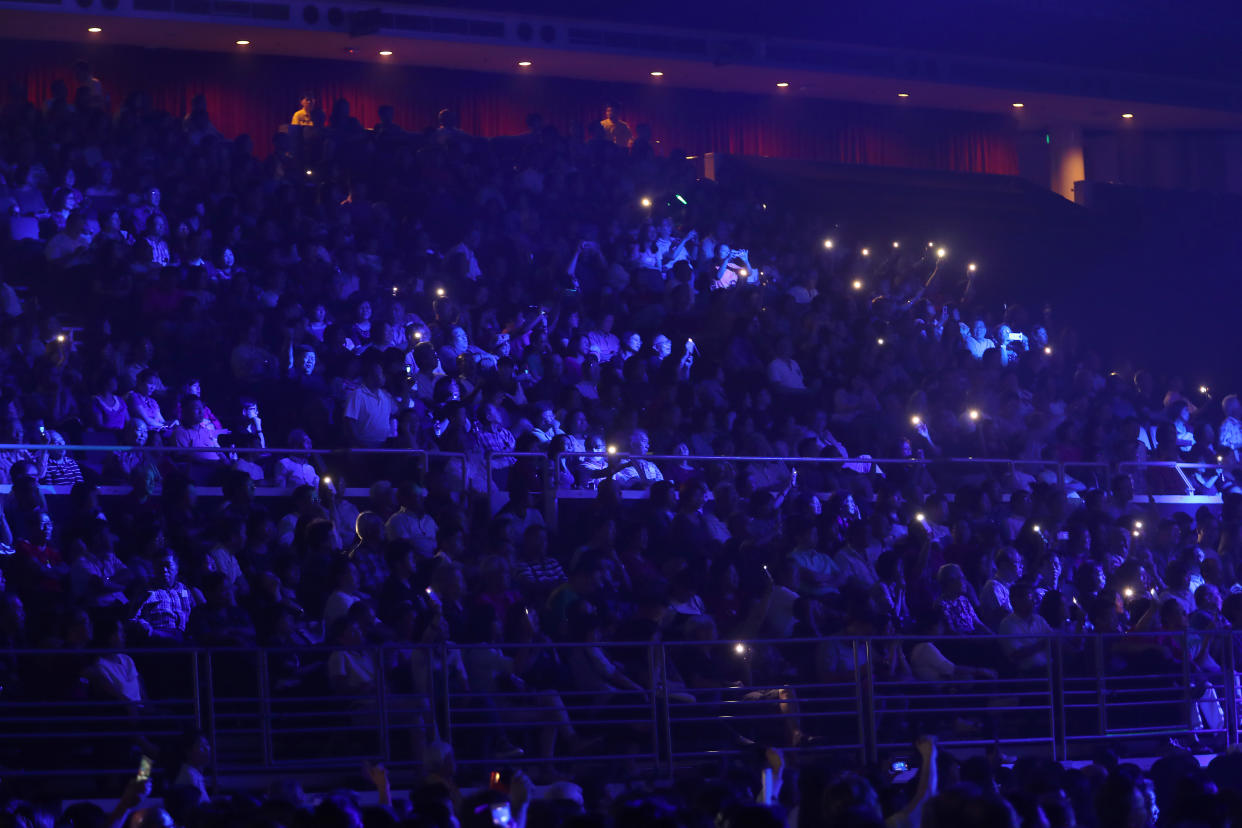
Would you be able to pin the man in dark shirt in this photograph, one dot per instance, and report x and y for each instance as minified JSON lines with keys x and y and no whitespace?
{"x":399,"y":587}
{"x":220,"y":622}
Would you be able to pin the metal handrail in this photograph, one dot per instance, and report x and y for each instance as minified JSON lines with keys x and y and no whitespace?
{"x":372,"y":722}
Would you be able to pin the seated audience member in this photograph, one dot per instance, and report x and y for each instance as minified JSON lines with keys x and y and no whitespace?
{"x":165,"y":610}
{"x":1026,"y":655}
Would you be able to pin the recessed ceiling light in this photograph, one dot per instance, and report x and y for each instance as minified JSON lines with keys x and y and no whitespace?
{"x":386,"y":53}
{"x":1018,"y":105}
{"x":783,"y":84}
{"x":94,"y":30}
{"x":1127,"y":114}
{"x":657,"y":74}
{"x":242,"y":42}
{"x":523,"y":63}
{"x":903,"y":94}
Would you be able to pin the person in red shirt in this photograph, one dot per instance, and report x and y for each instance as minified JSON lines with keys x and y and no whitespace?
{"x":45,"y":568}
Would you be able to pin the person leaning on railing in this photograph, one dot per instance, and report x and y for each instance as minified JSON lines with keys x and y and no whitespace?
{"x":928,"y":663}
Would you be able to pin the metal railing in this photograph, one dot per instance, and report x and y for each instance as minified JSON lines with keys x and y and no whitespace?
{"x":281,"y":710}
{"x":1162,"y":484}
{"x":1177,"y":482}
{"x":549,"y":468}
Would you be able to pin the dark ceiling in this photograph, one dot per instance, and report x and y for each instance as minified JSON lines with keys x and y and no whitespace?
{"x":1191,"y":39}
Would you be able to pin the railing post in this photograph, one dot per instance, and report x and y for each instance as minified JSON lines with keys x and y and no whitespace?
{"x":864,"y":693}
{"x":657,"y":683}
{"x":487,"y":472}
{"x":265,"y":708}
{"x":1061,"y":476}
{"x":381,"y":698}
{"x":1231,"y":692}
{"x":432,"y":721}
{"x":211,"y":725}
{"x":1102,"y":711}
{"x":447,"y":736}
{"x":664,"y":704}
{"x":1056,"y":706}
{"x":1190,"y":701}
{"x":551,"y":483}
{"x":198,"y":700}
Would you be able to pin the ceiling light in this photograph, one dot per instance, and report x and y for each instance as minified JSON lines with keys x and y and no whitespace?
{"x":386,"y":53}
{"x":523,"y":63}
{"x":657,"y":74}
{"x":782,"y":85}
{"x":1127,"y":114}
{"x":94,"y":30}
{"x":1018,"y":105}
{"x":242,"y":42}
{"x":903,"y":94}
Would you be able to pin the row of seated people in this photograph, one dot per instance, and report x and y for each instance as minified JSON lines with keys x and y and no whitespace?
{"x":319,"y":580}
{"x":521,"y":293}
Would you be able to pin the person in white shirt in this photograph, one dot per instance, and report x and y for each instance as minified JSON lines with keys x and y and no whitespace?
{"x":815,"y":572}
{"x":231,"y":540}
{"x":784,"y":370}
{"x":852,"y":557}
{"x":929,"y":664}
{"x":351,"y":670}
{"x":994,"y":600}
{"x":297,"y":469}
{"x":114,"y":675}
{"x":976,"y":339}
{"x":637,"y":473}
{"x":466,"y":248}
{"x":197,"y":756}
{"x":61,"y":247}
{"x":1027,"y":655}
{"x":370,"y":409}
{"x":411,"y":522}
{"x":347,"y":593}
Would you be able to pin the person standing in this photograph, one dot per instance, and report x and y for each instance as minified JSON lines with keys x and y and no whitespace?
{"x":303,"y":117}
{"x":616,"y":130}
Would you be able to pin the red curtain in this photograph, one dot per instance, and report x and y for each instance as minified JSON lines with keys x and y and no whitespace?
{"x":248,"y":93}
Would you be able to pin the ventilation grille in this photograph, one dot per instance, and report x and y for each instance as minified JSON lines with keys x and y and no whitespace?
{"x":643,"y":41}
{"x":458,"y":26}
{"x":215,"y":8}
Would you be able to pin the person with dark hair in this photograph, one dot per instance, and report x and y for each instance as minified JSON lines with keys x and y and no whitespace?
{"x":616,"y":130}
{"x":219,"y":621}
{"x":585,"y":582}
{"x":96,"y":576}
{"x":370,"y":411}
{"x":165,"y":611}
{"x":305,"y":116}
{"x":412,"y":523}
{"x":1027,"y":655}
{"x":1122,"y":803}
{"x":850,"y":795}
{"x":223,"y":557}
{"x":348,"y":591}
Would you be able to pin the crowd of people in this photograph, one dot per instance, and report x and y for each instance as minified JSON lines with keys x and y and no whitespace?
{"x":591,"y":302}
{"x":763,"y":791}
